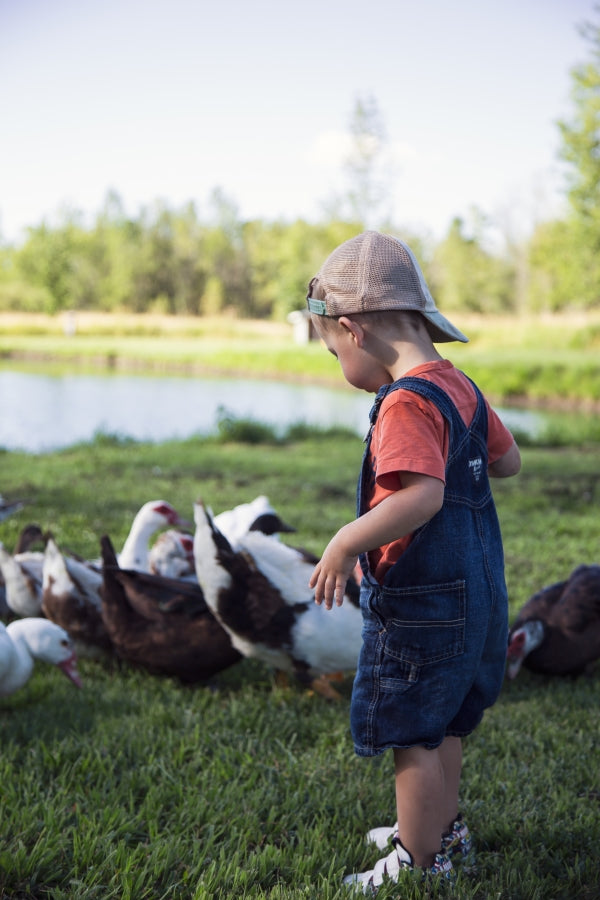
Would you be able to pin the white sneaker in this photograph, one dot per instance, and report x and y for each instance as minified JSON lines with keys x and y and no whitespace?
{"x":381,"y":836}
{"x":391,"y":865}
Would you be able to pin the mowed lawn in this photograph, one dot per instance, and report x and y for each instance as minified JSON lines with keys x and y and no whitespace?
{"x":137,"y":787}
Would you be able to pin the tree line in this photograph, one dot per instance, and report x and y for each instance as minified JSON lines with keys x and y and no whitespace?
{"x":176,"y":261}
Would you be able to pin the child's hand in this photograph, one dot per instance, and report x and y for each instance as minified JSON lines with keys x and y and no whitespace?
{"x":331,"y":574}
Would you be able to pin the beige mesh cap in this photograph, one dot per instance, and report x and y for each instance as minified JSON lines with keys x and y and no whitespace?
{"x":374,"y":272}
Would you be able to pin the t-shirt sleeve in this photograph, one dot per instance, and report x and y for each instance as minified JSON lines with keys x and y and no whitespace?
{"x":499,"y":437}
{"x":412,"y":439}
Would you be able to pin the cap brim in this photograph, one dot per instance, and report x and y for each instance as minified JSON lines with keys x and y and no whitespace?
{"x":441,"y":330}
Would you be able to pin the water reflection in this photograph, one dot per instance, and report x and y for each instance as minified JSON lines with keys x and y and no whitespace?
{"x":40,"y":413}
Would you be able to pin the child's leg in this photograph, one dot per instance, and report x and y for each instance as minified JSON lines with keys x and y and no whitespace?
{"x":426,"y":796}
{"x":450,"y":751}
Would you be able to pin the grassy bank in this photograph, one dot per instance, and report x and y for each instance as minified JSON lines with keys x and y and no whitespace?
{"x":551,"y":361}
{"x":138,"y":788}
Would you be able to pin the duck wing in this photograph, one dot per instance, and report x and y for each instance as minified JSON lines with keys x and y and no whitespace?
{"x":284,"y":567}
{"x":540,"y":605}
{"x":578,"y":610}
{"x":155,"y":596}
{"x":189,"y":648}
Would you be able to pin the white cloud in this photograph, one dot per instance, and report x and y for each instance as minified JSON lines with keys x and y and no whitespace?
{"x":330,"y":149}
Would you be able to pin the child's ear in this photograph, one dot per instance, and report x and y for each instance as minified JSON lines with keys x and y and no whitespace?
{"x":354,"y":328}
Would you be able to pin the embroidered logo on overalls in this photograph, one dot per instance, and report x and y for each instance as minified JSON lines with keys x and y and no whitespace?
{"x":476,"y":465}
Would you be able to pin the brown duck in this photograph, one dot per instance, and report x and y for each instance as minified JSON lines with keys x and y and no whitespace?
{"x":557,"y":632}
{"x":71,"y":599}
{"x":161,"y":624}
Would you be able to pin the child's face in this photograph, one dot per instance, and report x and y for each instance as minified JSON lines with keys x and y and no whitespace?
{"x":359,"y":367}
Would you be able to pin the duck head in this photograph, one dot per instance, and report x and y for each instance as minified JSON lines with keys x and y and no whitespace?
{"x":52,"y":644}
{"x":522,"y":641}
{"x":48,"y":642}
{"x":160,"y":513}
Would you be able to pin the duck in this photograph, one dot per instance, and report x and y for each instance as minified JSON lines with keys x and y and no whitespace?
{"x":30,"y":535}
{"x":258,"y":515}
{"x":557,"y":632}
{"x":71,"y":599}
{"x":259,"y":593}
{"x":161,"y":624}
{"x":22,"y":577}
{"x":24,"y":641}
{"x":152,"y":516}
{"x":172,"y":554}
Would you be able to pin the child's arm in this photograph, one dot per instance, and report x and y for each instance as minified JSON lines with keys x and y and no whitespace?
{"x":506,"y":465}
{"x":419,"y":499}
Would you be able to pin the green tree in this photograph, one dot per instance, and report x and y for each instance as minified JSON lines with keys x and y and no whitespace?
{"x":581,"y":150}
{"x":116,"y":245}
{"x":283,"y":257}
{"x":57,"y":261}
{"x":229,"y":284}
{"x":466,"y":276}
{"x":581,"y":133}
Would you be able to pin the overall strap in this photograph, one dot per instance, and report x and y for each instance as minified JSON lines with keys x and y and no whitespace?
{"x":440,"y":398}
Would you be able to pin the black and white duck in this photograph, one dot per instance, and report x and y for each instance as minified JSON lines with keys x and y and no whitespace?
{"x":259,"y":593}
{"x":258,"y":515}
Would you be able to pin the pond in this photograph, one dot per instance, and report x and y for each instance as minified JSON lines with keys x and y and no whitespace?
{"x":41,"y":413}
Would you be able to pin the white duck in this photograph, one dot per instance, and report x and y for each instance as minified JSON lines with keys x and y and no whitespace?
{"x":259,"y":593}
{"x":24,"y":641}
{"x":153,"y":515}
{"x":172,"y":555}
{"x":30,"y":535}
{"x":22,"y":576}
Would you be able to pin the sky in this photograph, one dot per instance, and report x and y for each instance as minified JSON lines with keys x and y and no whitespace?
{"x":166,"y":100}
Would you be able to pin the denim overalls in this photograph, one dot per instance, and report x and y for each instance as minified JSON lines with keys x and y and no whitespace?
{"x":435,"y":633}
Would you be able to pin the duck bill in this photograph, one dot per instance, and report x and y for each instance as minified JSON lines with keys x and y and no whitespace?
{"x":69,"y":667}
{"x":285,"y":528}
{"x":515,"y":653}
{"x":513,"y":667}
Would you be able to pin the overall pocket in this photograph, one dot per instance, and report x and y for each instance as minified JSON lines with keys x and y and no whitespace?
{"x":421,"y":626}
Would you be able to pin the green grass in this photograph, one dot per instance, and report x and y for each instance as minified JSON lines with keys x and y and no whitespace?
{"x":136,"y":787}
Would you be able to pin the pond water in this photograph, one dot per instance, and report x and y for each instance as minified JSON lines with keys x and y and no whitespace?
{"x":40,"y":412}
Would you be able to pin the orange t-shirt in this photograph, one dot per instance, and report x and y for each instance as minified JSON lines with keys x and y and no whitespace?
{"x":411,"y":435}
